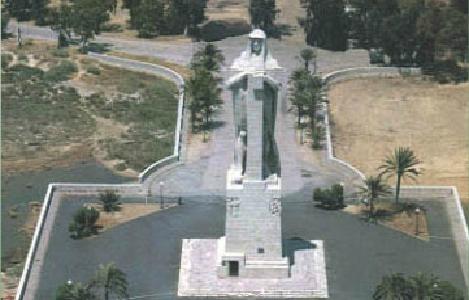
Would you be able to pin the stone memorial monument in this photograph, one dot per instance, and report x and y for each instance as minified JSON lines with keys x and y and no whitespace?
{"x":250,"y":260}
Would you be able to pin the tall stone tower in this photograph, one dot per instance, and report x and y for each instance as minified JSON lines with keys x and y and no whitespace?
{"x":252,"y":246}
{"x":250,"y":260}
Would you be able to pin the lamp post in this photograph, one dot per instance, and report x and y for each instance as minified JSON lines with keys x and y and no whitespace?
{"x":417,"y":212}
{"x":148,"y":194}
{"x":161,"y":195}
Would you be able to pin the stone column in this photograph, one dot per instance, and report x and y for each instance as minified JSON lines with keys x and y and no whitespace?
{"x":255,"y":104}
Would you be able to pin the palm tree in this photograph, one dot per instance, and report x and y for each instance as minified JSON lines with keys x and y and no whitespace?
{"x":112,"y":280}
{"x":403,"y":164}
{"x":74,"y":291}
{"x":425,"y":286}
{"x":393,"y":287}
{"x":110,"y":201}
{"x":307,"y":55}
{"x":373,"y":189}
{"x":208,"y":57}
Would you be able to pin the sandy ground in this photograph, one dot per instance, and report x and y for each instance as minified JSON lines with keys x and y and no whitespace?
{"x":403,"y":222}
{"x":128,"y":212}
{"x":371,"y":117}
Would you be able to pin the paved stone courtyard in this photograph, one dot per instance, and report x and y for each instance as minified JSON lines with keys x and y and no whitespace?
{"x":148,"y":249}
{"x":198,"y":274}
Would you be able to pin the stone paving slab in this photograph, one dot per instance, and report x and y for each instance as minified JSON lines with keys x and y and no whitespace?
{"x":198,"y":275}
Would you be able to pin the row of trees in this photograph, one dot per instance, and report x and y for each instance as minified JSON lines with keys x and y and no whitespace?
{"x":203,"y":88}
{"x":418,"y":287}
{"x":155,"y":17}
{"x":411,"y":32}
{"x":108,"y":281}
{"x":408,"y":31}
{"x":305,"y":95}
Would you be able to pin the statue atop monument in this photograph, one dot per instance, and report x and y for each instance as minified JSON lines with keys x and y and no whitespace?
{"x":256,"y":57}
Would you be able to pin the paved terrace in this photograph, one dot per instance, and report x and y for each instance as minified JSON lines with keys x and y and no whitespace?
{"x":358,"y":254}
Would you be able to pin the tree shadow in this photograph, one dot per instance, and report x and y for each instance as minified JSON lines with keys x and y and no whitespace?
{"x":293,"y":244}
{"x":217,"y":30}
{"x":279,"y":30}
{"x":215,"y":125}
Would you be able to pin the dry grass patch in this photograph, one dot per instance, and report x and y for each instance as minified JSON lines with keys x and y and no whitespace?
{"x":371,"y":117}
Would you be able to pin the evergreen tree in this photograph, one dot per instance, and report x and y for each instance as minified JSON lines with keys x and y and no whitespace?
{"x":88,"y":16}
{"x":325,"y":24}
{"x":39,"y":11}
{"x":263,"y":14}
{"x":20,"y":9}
{"x":149,"y":18}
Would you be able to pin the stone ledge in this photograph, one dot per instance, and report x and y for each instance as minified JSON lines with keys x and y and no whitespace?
{"x":198,"y":275}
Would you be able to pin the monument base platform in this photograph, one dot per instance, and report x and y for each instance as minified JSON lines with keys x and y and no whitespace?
{"x":198,"y":275}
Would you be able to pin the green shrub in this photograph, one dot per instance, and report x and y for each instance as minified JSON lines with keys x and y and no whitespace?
{"x":22,"y":57}
{"x":107,"y":27}
{"x":446,"y":71}
{"x":93,"y":70}
{"x":61,"y":72}
{"x":110,"y":201}
{"x":62,"y":53}
{"x":120,"y":167}
{"x":20,"y":73}
{"x":332,"y":198}
{"x":7,"y":58}
{"x":84,"y":223}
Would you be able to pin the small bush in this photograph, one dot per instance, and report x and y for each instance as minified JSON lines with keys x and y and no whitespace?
{"x":93,"y":70}
{"x":106,"y":27}
{"x":6,"y":59}
{"x":332,"y":198}
{"x":62,"y":53}
{"x":19,"y":73}
{"x":120,"y":167}
{"x":84,"y":223}
{"x":61,"y":72}
{"x":110,"y":201}
{"x":22,"y":57}
{"x":446,"y":71}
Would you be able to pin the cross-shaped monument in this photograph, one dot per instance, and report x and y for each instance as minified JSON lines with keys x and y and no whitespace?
{"x":250,"y":260}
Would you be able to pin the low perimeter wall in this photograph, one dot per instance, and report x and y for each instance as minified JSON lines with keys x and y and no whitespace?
{"x":447,"y":194}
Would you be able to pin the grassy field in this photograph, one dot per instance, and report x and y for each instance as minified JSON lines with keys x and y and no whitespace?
{"x":371,"y":117}
{"x":59,"y":107}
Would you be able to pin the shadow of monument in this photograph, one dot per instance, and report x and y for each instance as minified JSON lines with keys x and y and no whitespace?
{"x":279,"y":30}
{"x":293,"y":244}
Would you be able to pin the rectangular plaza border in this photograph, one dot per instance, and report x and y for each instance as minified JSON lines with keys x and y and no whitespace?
{"x":123,"y":189}
{"x":455,"y":213}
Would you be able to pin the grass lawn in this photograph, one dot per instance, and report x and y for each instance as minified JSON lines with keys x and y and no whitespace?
{"x":373,"y":116}
{"x":59,"y":107}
